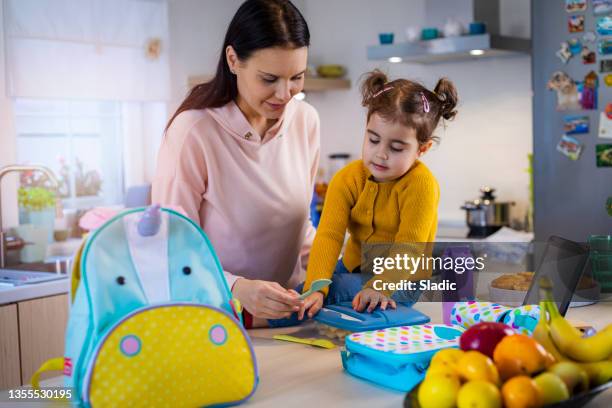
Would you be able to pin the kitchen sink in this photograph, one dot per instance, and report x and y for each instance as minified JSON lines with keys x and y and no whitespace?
{"x":31,"y":273}
{"x":16,"y":277}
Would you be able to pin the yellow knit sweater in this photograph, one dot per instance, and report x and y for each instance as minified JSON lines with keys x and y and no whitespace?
{"x":399,"y":211}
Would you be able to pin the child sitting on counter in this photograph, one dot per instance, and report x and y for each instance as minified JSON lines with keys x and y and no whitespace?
{"x":387,"y":197}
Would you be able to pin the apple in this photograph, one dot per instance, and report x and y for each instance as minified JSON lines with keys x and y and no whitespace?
{"x":484,"y":337}
{"x":552,"y":389}
{"x":574,"y":376}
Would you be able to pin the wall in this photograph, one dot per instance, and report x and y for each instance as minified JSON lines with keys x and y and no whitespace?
{"x":197,"y":28}
{"x":7,"y":141}
{"x":489,"y":141}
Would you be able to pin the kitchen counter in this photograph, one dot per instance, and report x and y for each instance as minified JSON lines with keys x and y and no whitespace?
{"x":12,"y":294}
{"x":305,"y":376}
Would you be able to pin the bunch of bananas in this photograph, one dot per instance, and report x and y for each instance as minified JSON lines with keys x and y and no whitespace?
{"x":566,"y":343}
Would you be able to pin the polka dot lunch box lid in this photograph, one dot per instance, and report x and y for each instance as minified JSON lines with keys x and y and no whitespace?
{"x":407,"y":343}
{"x":467,"y":314}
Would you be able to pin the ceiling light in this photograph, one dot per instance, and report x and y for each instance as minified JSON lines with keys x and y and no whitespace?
{"x":395,"y":60}
{"x":476,"y":52}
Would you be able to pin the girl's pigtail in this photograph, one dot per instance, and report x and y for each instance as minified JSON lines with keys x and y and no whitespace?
{"x":372,"y":85}
{"x":447,"y":97}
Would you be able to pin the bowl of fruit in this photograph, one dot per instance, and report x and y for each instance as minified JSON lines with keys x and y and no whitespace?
{"x":495,"y":367}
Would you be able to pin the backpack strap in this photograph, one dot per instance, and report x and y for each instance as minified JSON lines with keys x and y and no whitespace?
{"x":53,"y":364}
{"x":75,"y":276}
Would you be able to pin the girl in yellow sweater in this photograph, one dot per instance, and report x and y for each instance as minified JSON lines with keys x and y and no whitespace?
{"x":388,"y":196}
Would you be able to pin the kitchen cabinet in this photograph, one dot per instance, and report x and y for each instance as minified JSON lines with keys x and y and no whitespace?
{"x":31,"y":332}
{"x":42,"y":326}
{"x":10,"y":375}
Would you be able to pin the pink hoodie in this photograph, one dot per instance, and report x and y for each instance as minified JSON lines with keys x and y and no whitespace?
{"x":250,"y":194}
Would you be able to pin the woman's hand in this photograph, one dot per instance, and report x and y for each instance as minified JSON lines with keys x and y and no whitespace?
{"x":266,"y":300}
{"x":373,"y":298}
{"x":312,"y":303}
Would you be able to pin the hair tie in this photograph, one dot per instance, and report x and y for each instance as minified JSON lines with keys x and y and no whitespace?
{"x":425,"y":103}
{"x":385,"y":89}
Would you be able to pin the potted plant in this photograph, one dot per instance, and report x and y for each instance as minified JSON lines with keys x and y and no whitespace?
{"x":37,"y":207}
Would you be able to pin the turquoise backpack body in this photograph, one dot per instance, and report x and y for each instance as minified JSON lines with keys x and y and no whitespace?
{"x":153,"y":322}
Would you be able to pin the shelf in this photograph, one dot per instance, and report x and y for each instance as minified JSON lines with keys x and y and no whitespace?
{"x":451,"y":49}
{"x":311,"y":84}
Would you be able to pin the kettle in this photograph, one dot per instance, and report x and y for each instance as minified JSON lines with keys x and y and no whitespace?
{"x":484,"y":216}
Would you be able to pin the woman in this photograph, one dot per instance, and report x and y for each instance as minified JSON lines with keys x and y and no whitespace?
{"x":240,"y":157}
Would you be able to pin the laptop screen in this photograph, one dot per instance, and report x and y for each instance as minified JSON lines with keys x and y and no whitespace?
{"x":563,"y":262}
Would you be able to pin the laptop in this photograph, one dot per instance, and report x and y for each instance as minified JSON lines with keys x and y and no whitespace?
{"x":563,"y":262}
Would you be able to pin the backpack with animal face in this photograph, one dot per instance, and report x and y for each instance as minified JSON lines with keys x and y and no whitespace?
{"x":153,"y":321}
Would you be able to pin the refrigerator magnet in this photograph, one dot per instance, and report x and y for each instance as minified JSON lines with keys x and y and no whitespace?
{"x":575,"y":124}
{"x":573,"y":6}
{"x":588,"y":91}
{"x":566,"y":89}
{"x":608,"y":79}
{"x":575,"y":24}
{"x":604,"y":25}
{"x":570,"y":147}
{"x":575,"y":46}
{"x":605,"y":123}
{"x":602,"y":7}
{"x":603,"y":154}
{"x":564,"y":52}
{"x":588,"y":55}
{"x":605,"y":65}
{"x":605,"y":47}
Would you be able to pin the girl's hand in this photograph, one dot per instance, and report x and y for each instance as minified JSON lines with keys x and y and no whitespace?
{"x":373,"y":298}
{"x":266,"y":300}
{"x":313,"y":304}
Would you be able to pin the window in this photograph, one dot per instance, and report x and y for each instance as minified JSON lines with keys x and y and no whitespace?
{"x":80,"y":141}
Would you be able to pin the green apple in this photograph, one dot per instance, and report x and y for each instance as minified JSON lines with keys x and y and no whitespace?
{"x":575,"y":377}
{"x":439,"y":391}
{"x":551,"y":388}
{"x":479,"y":394}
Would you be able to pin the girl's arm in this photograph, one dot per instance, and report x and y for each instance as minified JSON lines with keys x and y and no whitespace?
{"x":339,"y":199}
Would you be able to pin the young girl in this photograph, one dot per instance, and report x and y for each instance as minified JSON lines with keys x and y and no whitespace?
{"x":388,"y":196}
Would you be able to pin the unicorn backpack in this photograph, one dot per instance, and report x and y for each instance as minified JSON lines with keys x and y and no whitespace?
{"x":153,"y":322}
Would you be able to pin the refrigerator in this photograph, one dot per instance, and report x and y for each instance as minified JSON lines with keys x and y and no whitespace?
{"x":572,"y":181}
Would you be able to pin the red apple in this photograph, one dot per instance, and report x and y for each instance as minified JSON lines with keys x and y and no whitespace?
{"x":483,"y":337}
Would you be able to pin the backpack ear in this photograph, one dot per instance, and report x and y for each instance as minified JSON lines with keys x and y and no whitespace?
{"x":195,"y":272}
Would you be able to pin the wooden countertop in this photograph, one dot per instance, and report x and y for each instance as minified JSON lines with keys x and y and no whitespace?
{"x":303,"y":376}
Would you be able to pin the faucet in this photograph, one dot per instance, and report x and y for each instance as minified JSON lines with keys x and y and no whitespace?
{"x":19,"y":168}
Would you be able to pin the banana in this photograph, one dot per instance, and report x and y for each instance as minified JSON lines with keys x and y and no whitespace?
{"x":599,"y":372}
{"x":541,"y":334}
{"x":570,"y":342}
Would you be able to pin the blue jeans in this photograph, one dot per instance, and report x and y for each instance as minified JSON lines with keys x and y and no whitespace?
{"x":345,"y":285}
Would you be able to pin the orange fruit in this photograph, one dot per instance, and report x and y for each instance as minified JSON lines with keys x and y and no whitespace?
{"x":520,"y":355}
{"x":476,"y":366}
{"x":521,"y":392}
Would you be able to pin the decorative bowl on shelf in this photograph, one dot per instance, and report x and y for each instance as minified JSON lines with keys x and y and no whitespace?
{"x":331,"y":71}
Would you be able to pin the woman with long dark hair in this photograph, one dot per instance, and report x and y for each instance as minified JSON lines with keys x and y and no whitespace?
{"x":240,"y":157}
